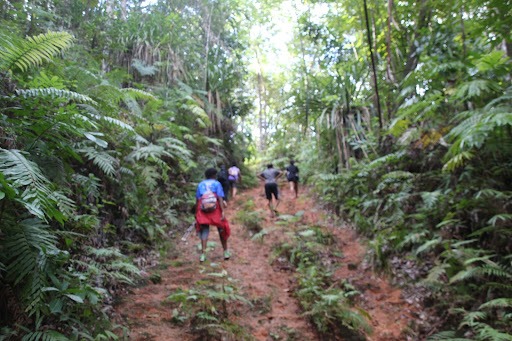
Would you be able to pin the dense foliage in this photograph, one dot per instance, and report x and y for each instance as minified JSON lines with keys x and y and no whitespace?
{"x":419,"y":157}
{"x":108,"y":114}
{"x":398,"y":112}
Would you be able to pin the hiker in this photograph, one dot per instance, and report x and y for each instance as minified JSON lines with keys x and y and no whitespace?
{"x":210,"y":211}
{"x":292,"y":174}
{"x":222,"y":177}
{"x":270,"y":176}
{"x":234,"y":177}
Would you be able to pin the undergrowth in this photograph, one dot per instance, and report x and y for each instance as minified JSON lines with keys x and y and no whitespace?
{"x":328,"y":304}
{"x":207,"y":306}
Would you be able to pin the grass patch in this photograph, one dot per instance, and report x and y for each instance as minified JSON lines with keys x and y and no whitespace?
{"x":207,"y":306}
{"x":327,"y":303}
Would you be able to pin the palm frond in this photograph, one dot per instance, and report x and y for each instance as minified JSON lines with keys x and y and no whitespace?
{"x":32,"y":51}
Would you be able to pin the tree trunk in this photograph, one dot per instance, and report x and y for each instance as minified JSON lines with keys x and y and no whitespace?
{"x":375,"y":84}
{"x":413,"y":56}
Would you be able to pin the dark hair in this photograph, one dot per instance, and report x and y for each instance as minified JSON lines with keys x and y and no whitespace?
{"x":270,"y":165}
{"x":292,"y":162}
{"x":210,"y":173}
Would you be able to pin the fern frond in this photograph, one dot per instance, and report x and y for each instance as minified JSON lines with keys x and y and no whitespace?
{"x":428,"y":245}
{"x":138,"y":94}
{"x":476,"y":88}
{"x":105,"y":162}
{"x":486,"y":332}
{"x":22,"y":247}
{"x":465,"y":274}
{"x":143,"y":69}
{"x":446,"y":336}
{"x":499,"y":217}
{"x":497,"y":303}
{"x":491,"y":193}
{"x":55,"y":93}
{"x":34,"y":190}
{"x":47,"y":335}
{"x":152,"y":152}
{"x":105,"y":252}
{"x":430,"y":199}
{"x":176,"y":147}
{"x":33,"y":51}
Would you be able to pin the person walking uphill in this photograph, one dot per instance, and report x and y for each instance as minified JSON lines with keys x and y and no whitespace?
{"x":210,"y":206}
{"x":270,"y":176}
{"x":235,"y":176}
{"x":222,"y":177}
{"x":292,"y":174}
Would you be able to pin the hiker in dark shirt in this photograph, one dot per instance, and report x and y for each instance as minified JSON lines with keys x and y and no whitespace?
{"x":270,"y":176}
{"x":222,"y":177}
{"x":292,"y":174}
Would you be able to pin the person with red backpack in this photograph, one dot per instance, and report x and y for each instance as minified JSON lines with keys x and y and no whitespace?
{"x":210,"y":205}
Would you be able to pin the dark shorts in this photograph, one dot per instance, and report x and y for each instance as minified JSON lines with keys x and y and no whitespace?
{"x":271,"y":189}
{"x":232,"y":183}
{"x":293,"y":178}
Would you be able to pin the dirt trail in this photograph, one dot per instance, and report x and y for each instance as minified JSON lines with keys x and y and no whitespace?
{"x":149,"y":319}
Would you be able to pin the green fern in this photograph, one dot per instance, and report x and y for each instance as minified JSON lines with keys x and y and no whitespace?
{"x":33,"y":190}
{"x":47,"y":335}
{"x":55,"y":93}
{"x":497,"y":303}
{"x":476,"y":88}
{"x":143,"y":69}
{"x":32,"y":51}
{"x":107,"y":163}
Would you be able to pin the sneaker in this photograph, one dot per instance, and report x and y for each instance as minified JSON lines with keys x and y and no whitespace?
{"x":202,"y":258}
{"x":227,"y":254}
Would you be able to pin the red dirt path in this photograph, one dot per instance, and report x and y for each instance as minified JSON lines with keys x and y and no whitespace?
{"x":149,"y":319}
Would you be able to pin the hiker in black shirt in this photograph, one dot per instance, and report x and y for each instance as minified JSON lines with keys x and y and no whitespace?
{"x":292,"y":174}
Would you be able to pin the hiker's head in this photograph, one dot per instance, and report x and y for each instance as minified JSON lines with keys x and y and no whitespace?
{"x":292,"y":162}
{"x":270,"y":165}
{"x":222,"y":167}
{"x":210,"y":173}
{"x":233,"y":164}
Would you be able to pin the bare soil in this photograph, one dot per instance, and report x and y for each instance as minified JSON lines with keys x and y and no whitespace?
{"x":276,"y":314}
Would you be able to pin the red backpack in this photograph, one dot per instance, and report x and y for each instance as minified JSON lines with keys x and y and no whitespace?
{"x":208,"y":201}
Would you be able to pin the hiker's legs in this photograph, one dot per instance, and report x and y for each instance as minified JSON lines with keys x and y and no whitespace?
{"x":223,"y":241}
{"x":296,"y":188}
{"x":227,"y":254}
{"x":268,"y":195}
{"x":276,"y":195}
{"x":204,"y":231}
{"x":292,"y":188}
{"x":232,"y":185}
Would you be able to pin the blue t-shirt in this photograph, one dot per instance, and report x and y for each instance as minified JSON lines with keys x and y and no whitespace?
{"x":209,"y":184}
